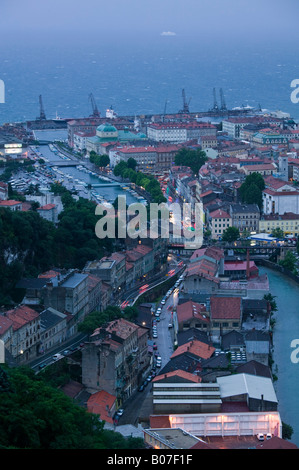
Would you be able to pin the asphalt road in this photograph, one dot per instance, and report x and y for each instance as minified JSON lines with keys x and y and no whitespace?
{"x":139,"y":404}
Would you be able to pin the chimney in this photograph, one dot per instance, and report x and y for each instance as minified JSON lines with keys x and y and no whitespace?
{"x":248,"y":265}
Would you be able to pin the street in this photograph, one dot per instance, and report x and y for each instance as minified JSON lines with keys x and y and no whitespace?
{"x":139,"y":404}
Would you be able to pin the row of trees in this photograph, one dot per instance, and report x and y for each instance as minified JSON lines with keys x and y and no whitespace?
{"x":151,"y":185}
{"x":96,"y":319}
{"x":102,"y":161}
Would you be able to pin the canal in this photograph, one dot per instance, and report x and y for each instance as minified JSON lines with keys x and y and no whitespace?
{"x":73,"y":176}
{"x":286,"y":329}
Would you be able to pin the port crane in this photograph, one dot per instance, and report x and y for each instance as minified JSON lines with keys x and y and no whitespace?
{"x":215,"y":107}
{"x":42,"y":115}
{"x":95,"y":111}
{"x":185,"y":103}
{"x":223,"y":105}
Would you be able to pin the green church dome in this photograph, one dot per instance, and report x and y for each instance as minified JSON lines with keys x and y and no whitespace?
{"x":106,"y":128}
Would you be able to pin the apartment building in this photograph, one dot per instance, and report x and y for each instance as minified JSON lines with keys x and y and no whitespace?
{"x":287,"y":222}
{"x":280,"y":202}
{"x":113,"y":359}
{"x":219,"y":221}
{"x":25,"y":340}
{"x":179,"y":131}
{"x":245,"y":217}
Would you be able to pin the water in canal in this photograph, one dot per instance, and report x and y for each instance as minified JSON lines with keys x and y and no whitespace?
{"x":109,"y":193}
{"x":286,"y":329}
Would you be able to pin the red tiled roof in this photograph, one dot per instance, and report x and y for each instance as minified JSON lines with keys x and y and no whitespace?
{"x":46,"y":207}
{"x":225,"y":307}
{"x":195,"y":347}
{"x":159,"y":421}
{"x":100,"y":403}
{"x":21,"y":315}
{"x":281,"y":193}
{"x":49,"y":274}
{"x":180,"y":373}
{"x":5,"y":324}
{"x":276,"y":443}
{"x":219,"y":213}
{"x":239,"y":265}
{"x":189,"y":310}
{"x":10,"y":202}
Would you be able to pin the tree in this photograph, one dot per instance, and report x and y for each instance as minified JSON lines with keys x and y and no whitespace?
{"x":271,"y":299}
{"x":277,"y":233}
{"x":120,"y":168}
{"x":35,"y":415}
{"x":289,"y":262}
{"x":251,"y":189}
{"x":191,"y":158}
{"x":132,"y":163}
{"x":287,"y":431}
{"x":231,"y":234}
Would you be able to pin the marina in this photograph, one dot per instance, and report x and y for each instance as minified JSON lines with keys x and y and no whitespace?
{"x":75,"y":176}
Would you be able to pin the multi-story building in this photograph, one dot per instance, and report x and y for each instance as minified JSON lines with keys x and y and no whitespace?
{"x":208,"y":141}
{"x":112,"y":360}
{"x":110,"y":269}
{"x":245,"y":217}
{"x":49,"y":212}
{"x":86,"y":125}
{"x":68,"y":293}
{"x":192,"y":315}
{"x":107,"y":134}
{"x":225,"y":315}
{"x":263,"y":169}
{"x":25,"y":340}
{"x":12,"y":205}
{"x":268,"y":137}
{"x":219,"y":221}
{"x":280,"y":202}
{"x":288,"y":223}
{"x":179,"y":131}
{"x":80,"y":138}
{"x":53,"y":329}
{"x":233,"y":126}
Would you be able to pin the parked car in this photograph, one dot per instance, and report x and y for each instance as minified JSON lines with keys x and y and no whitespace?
{"x":260,"y":436}
{"x":120,"y":412}
{"x":141,"y":388}
{"x":169,"y":325}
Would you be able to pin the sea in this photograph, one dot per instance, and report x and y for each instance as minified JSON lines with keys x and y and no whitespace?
{"x":143,"y":76}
